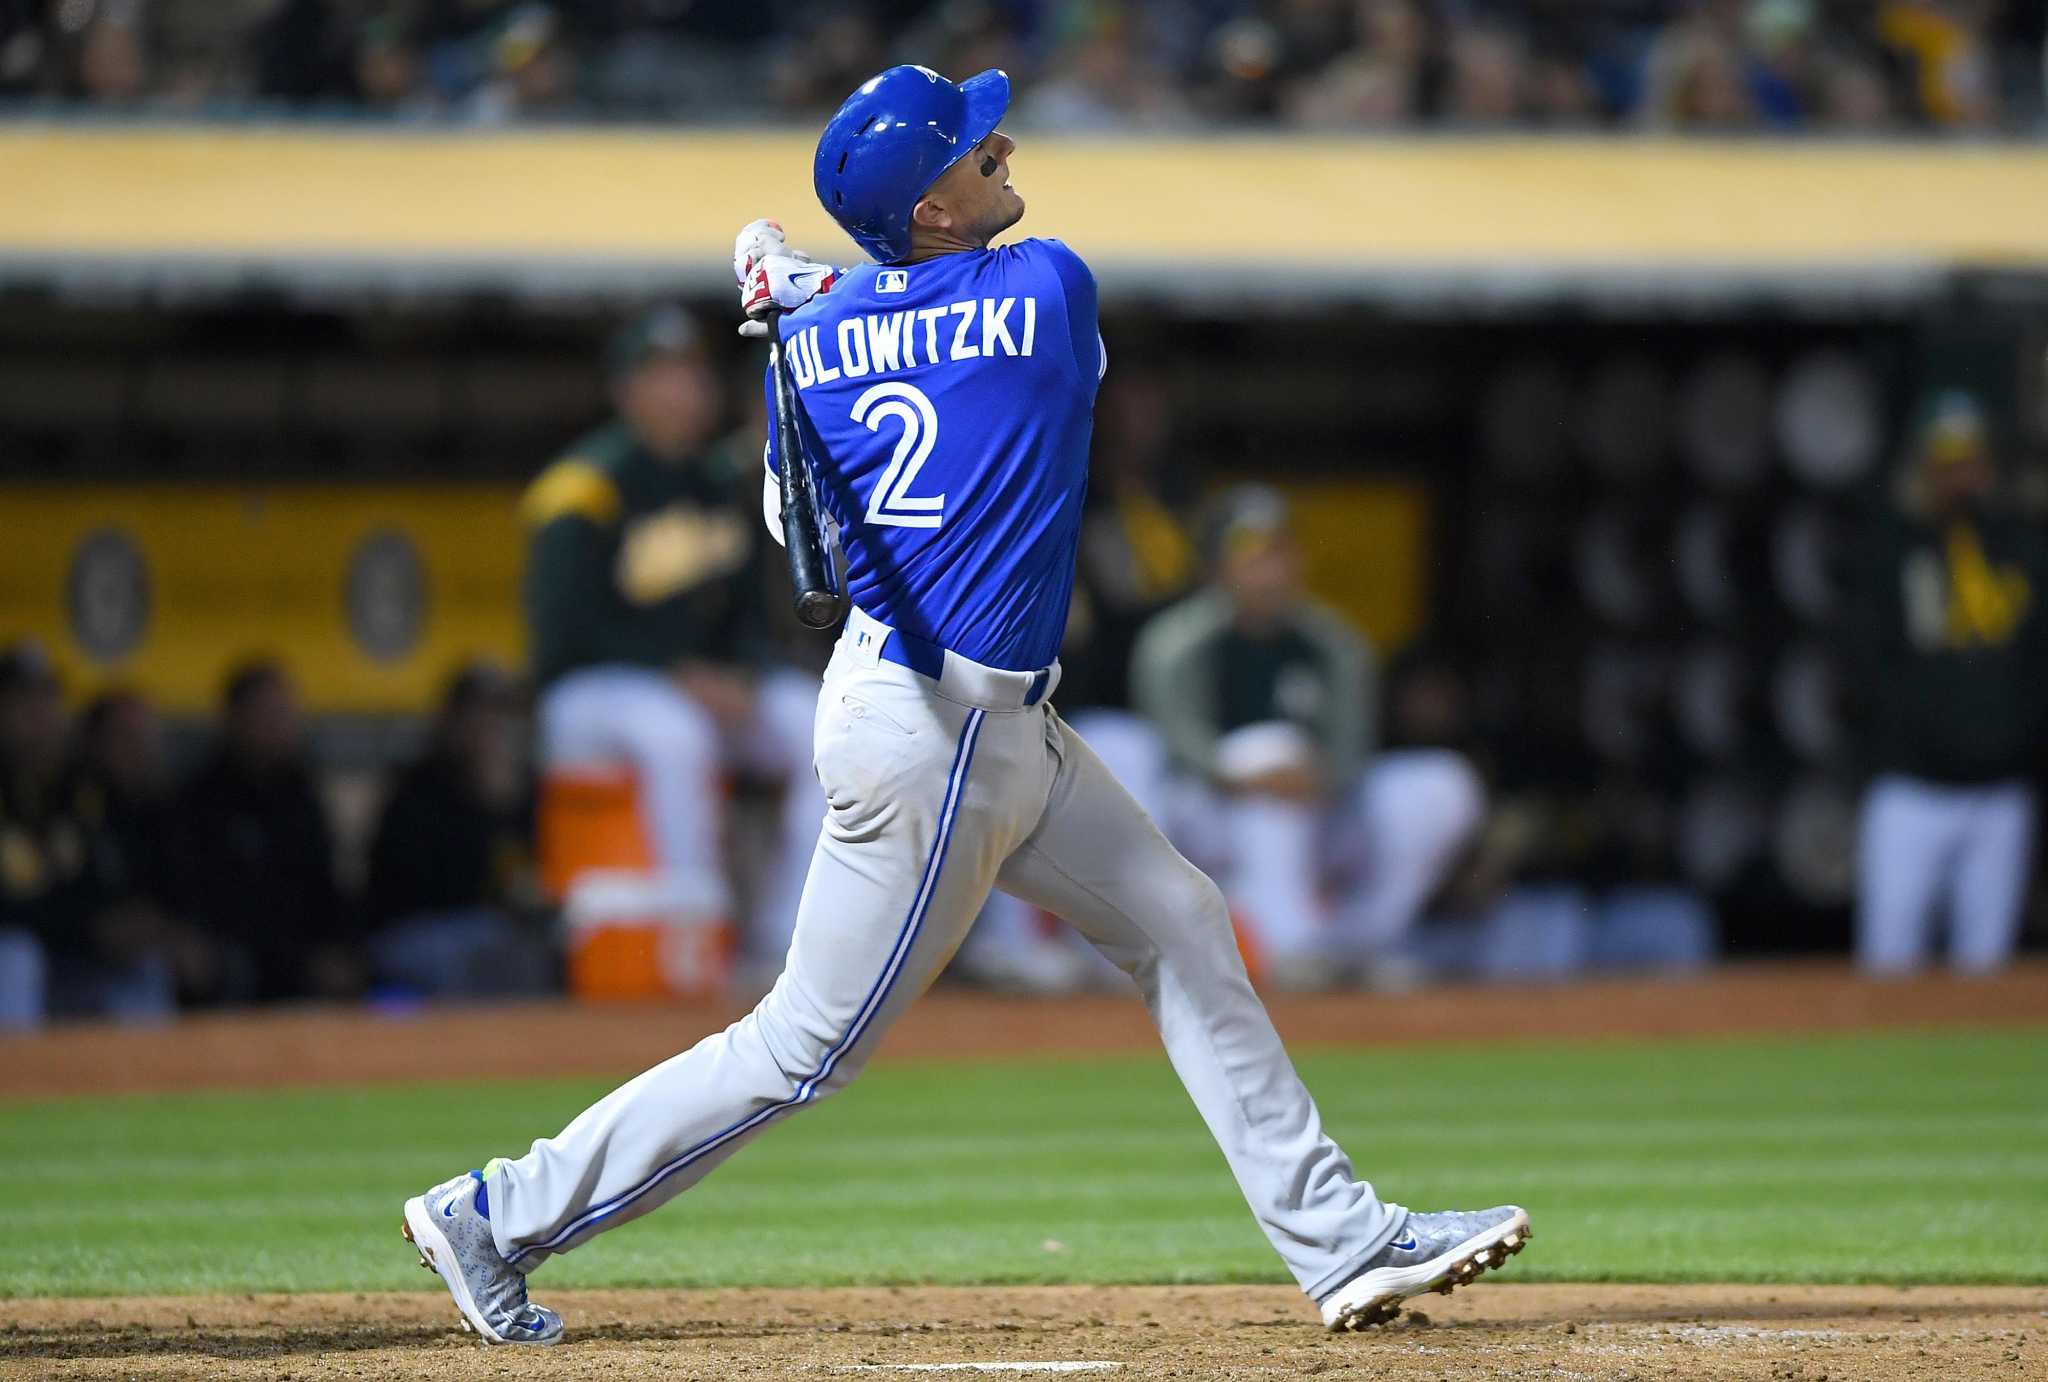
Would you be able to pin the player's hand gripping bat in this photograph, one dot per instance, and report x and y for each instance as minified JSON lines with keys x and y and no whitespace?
{"x":820,"y":603}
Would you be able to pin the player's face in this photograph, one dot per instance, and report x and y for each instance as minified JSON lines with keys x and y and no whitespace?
{"x":1264,"y":576}
{"x":976,"y":193}
{"x":671,"y":401}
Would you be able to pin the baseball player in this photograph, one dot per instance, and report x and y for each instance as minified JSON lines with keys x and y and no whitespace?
{"x":945,"y":394}
{"x":641,"y":595}
{"x":1950,"y":647}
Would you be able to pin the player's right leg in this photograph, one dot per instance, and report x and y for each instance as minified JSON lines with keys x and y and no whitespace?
{"x":926,"y":797}
{"x":1412,"y":814}
{"x":1097,"y":860}
{"x":1906,"y":845}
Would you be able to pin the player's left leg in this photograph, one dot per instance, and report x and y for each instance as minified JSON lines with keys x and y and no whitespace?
{"x":1097,"y":860}
{"x":1991,"y":879}
{"x":927,"y":795}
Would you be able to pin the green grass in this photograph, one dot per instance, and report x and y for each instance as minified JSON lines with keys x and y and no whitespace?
{"x":1871,"y":1159}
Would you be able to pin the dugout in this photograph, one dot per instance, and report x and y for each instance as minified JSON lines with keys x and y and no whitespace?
{"x":1594,"y":417}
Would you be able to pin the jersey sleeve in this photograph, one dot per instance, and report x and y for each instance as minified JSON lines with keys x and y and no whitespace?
{"x":1077,"y":286}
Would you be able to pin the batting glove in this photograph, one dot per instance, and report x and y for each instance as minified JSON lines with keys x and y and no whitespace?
{"x":755,"y":242}
{"x":773,"y":276}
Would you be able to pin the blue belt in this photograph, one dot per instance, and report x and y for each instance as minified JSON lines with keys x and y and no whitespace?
{"x":928,"y":659}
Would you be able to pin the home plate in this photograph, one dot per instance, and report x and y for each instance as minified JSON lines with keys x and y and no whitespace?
{"x":978,"y":1367}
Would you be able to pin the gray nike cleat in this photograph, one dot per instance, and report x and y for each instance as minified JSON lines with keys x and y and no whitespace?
{"x":450,"y":1226}
{"x":1432,"y":1252}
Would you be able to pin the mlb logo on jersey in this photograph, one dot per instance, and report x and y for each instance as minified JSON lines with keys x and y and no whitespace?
{"x":892,"y":281}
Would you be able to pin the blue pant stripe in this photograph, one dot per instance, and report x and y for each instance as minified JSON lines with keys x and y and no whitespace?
{"x":956,"y":786}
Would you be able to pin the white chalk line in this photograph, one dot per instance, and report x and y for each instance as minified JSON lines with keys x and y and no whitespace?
{"x":979,"y":1367}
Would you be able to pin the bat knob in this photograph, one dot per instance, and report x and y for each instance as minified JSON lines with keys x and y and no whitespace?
{"x":820,"y":609}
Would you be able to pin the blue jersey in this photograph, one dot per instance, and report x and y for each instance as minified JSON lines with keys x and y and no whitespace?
{"x":946,"y":407}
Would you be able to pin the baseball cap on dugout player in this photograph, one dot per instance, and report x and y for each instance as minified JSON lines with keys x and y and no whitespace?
{"x":890,"y":142}
{"x":663,"y":330}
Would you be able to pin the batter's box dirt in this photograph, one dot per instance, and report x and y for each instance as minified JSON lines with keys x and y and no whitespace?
{"x":1130,"y":1334}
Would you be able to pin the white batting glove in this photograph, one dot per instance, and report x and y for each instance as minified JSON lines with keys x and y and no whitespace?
{"x":773,"y":276}
{"x":756,"y":241}
{"x":782,"y":282}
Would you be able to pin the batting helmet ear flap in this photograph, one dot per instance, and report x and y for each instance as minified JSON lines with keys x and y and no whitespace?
{"x":891,"y":140}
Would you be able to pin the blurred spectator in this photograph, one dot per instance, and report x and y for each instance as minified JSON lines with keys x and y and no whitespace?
{"x":42,"y":847}
{"x":1711,"y":64}
{"x":1362,"y":90}
{"x":256,"y":856}
{"x":531,"y":68}
{"x":128,"y":800}
{"x":1489,"y":77}
{"x":826,"y":59}
{"x":1137,"y":551}
{"x":1951,"y":647}
{"x":1572,"y":869}
{"x":1267,"y":699}
{"x":387,"y":70}
{"x":453,"y":903}
{"x":113,"y":69}
{"x":1854,"y":97}
{"x":1375,"y":78}
{"x":82,"y":931}
{"x":642,"y":595}
{"x":1943,"y":45}
{"x":1696,"y":82}
{"x":199,"y":49}
{"x":1782,"y":78}
{"x":1100,"y":82}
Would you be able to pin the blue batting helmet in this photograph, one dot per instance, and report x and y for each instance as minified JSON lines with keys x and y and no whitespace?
{"x":890,"y":142}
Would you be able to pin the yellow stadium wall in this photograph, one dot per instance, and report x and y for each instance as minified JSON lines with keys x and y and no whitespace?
{"x":314,"y":575}
{"x":305,"y":573}
{"x":1367,"y":552}
{"x":676,"y":197}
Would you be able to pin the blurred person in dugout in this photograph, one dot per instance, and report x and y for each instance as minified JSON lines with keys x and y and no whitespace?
{"x":1138,"y":554}
{"x":1267,"y":699}
{"x":84,"y":926}
{"x":455,"y":909}
{"x":1950,"y":644}
{"x":254,"y":852}
{"x":643,"y":595}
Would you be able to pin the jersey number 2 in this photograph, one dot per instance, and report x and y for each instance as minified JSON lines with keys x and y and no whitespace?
{"x":892,"y":502}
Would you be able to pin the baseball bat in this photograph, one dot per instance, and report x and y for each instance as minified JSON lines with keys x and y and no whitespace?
{"x":820,"y":603}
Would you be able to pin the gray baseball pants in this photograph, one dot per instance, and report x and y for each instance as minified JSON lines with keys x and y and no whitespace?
{"x":938,"y":791}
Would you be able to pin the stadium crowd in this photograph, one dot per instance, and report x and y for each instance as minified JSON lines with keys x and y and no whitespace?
{"x":1729,"y":66}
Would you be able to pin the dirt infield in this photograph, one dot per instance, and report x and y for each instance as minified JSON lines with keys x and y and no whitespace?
{"x":357,"y":1046}
{"x":1622,"y":1333}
